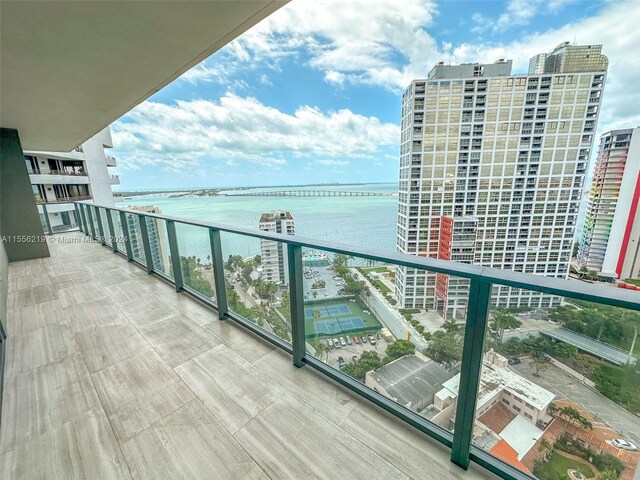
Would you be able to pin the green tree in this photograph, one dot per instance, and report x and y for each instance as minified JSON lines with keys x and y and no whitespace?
{"x":501,"y":321}
{"x":192,"y":275}
{"x":445,"y":348}
{"x":398,"y":349}
{"x":576,"y":247}
{"x":544,"y":444}
{"x":608,"y":475}
{"x":541,"y":361}
{"x":369,"y":360}
{"x":452,"y":326}
{"x":285,"y":299}
{"x":564,"y":350}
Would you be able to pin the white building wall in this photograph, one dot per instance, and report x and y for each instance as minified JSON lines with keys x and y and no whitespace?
{"x":98,"y":178}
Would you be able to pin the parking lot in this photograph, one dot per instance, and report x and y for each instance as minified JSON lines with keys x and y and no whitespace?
{"x":325,"y":274}
{"x":348,"y":351}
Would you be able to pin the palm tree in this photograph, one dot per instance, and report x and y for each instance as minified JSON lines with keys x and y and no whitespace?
{"x":451,"y":326}
{"x":501,"y":321}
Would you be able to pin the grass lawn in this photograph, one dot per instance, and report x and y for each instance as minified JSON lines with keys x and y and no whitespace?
{"x":357,"y":310}
{"x":557,"y":466}
{"x":381,"y":286}
{"x":633,"y":281}
{"x":374,"y":269}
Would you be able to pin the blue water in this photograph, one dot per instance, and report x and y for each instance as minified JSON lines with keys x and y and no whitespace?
{"x":360,"y":221}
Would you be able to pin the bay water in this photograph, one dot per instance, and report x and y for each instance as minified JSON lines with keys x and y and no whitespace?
{"x":358,"y":220}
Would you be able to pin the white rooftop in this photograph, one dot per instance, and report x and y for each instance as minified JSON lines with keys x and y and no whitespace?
{"x":495,"y":378}
{"x":521,"y":435}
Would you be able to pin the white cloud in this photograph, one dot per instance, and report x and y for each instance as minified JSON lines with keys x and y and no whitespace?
{"x":615,"y":28}
{"x":333,"y":163}
{"x":517,"y":13}
{"x":242,"y":129}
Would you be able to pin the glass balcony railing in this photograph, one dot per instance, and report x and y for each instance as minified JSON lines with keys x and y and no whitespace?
{"x":514,"y":371}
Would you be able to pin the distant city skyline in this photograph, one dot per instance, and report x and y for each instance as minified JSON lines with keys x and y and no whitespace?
{"x":309,"y":96}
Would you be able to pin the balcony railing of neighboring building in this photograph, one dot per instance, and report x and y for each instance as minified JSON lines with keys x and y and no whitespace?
{"x":73,"y":173}
{"x":111,"y":160}
{"x":114,"y":227}
{"x":40,"y":200}
{"x":114,"y":179}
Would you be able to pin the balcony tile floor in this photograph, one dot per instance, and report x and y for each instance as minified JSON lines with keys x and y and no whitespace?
{"x":110,"y":374}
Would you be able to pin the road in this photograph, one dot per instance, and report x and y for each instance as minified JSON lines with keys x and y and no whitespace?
{"x":565,"y":386}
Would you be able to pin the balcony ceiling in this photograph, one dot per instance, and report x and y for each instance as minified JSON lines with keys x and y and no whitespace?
{"x":69,"y":69}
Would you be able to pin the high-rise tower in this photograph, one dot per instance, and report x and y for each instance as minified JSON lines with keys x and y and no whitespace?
{"x":610,"y":237}
{"x":273,"y":255}
{"x":511,"y":152}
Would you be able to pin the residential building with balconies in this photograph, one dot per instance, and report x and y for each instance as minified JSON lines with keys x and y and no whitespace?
{"x":273,"y":255}
{"x":610,"y":241}
{"x":508,"y":150}
{"x":60,"y":178}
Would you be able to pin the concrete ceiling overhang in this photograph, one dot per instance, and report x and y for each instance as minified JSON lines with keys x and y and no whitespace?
{"x":69,"y":69}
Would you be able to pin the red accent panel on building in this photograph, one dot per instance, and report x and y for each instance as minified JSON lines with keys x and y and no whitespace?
{"x":444,"y":253}
{"x":629,"y":228}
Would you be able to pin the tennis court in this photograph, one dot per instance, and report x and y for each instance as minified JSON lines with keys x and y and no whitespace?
{"x":333,"y":310}
{"x":348,"y":324}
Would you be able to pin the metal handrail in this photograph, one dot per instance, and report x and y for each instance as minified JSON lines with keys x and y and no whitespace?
{"x":482,"y":279}
{"x":508,"y":278}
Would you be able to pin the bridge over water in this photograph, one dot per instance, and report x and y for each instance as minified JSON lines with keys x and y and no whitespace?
{"x":309,"y":193}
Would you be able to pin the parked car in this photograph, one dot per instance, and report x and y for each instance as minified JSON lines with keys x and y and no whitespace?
{"x":336,"y":343}
{"x":356,"y":340}
{"x":364,"y":339}
{"x":372,"y":340}
{"x":349,"y":341}
{"x":330,"y":343}
{"x":343,"y":342}
{"x":514,"y":361}
{"x":341,"y":363}
{"x":623,"y":444}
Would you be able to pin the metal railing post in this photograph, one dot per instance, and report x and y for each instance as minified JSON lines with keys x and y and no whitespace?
{"x":112,"y":231}
{"x":47,"y":221}
{"x":77,"y":215}
{"x":144,"y":233}
{"x":83,"y":216}
{"x":175,"y":255}
{"x":296,"y":300}
{"x":125,"y":236}
{"x":100,"y":226}
{"x":470,"y":370}
{"x":92,"y":226}
{"x":218,"y":272}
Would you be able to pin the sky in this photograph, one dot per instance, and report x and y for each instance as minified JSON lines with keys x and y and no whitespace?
{"x":312,"y":93}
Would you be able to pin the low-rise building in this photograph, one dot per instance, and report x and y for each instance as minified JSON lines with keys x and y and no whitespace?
{"x":411,"y":380}
{"x":498,"y":383}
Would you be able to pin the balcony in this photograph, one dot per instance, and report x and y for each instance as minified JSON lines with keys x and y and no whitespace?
{"x":112,"y":374}
{"x":111,"y":161}
{"x":161,"y":363}
{"x":114,"y":179}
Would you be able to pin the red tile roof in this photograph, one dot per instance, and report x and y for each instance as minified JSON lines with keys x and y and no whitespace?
{"x":506,"y":453}
{"x":497,"y":417}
